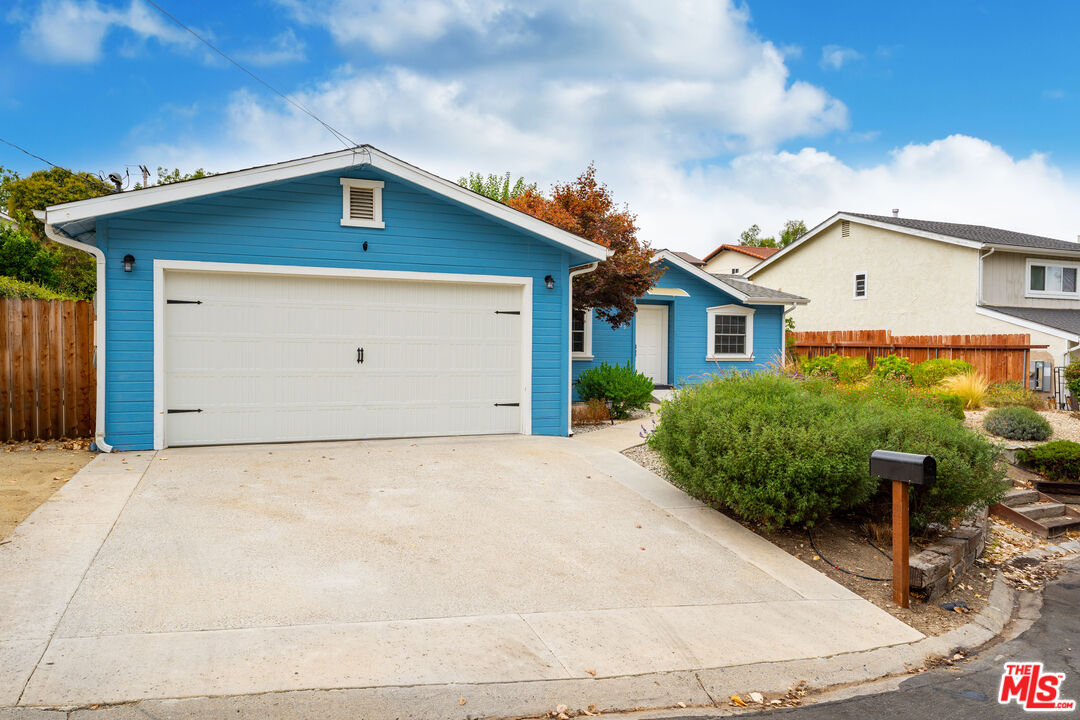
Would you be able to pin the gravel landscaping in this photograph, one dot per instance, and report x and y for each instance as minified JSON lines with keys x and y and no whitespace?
{"x":1065,"y":423}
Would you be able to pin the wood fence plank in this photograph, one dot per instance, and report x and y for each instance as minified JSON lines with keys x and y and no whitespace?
{"x":5,"y":373}
{"x":43,"y":426}
{"x":70,"y":368}
{"x":87,"y":394}
{"x":28,"y":389}
{"x":56,"y":371}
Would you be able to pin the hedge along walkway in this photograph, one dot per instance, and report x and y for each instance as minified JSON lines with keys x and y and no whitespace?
{"x":1066,"y":427}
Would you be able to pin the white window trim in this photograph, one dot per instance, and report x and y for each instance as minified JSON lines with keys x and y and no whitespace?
{"x":710,"y":332}
{"x":377,"y":187}
{"x":855,"y":285}
{"x":587,"y":353}
{"x":1028,"y":292}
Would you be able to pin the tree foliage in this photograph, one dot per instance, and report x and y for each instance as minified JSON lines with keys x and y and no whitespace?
{"x":496,"y":187}
{"x":166,"y":176}
{"x":585,"y":207}
{"x":792,"y":231}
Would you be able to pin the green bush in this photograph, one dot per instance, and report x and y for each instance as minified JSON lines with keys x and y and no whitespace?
{"x":1058,"y":460}
{"x":626,"y":388}
{"x":822,"y":366}
{"x":1072,"y":379}
{"x":848,"y":370}
{"x":781,"y":452}
{"x":12,"y":288}
{"x":949,"y":403}
{"x":1013,"y":393}
{"x":1017,"y":423}
{"x":893,"y":367}
{"x":930,"y":373}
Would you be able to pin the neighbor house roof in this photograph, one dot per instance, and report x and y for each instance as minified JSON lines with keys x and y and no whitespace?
{"x":740,"y":289}
{"x":758,"y":252}
{"x":693,"y":260}
{"x":78,"y":219}
{"x":1067,"y":321}
{"x":971,"y":236}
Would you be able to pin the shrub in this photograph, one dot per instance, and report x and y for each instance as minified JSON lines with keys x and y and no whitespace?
{"x":971,"y":388}
{"x":1017,"y":423}
{"x":848,"y":370}
{"x":1072,"y":379}
{"x":1013,"y":393}
{"x":949,"y":403}
{"x":12,"y":288}
{"x":626,"y":388}
{"x":822,"y":366}
{"x":1057,"y":460}
{"x":893,"y":367}
{"x":593,"y":412}
{"x":781,"y":452}
{"x":930,"y":373}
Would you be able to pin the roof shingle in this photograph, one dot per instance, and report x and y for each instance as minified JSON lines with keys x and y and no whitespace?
{"x":976,"y":233}
{"x":756,"y":291}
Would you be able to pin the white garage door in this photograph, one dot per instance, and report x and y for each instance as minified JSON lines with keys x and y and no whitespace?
{"x":271,"y":358}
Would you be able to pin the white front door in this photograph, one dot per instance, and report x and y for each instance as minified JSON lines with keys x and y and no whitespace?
{"x":652,"y":332}
{"x":270,"y":358}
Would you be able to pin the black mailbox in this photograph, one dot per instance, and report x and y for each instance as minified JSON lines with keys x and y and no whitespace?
{"x":906,"y":467}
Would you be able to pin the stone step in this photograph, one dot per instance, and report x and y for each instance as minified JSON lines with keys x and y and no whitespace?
{"x":1020,"y":496}
{"x":1038,"y":511}
{"x":1059,"y":525}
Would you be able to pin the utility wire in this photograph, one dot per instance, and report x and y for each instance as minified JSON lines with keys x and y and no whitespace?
{"x":84,"y":178}
{"x":341,"y":137}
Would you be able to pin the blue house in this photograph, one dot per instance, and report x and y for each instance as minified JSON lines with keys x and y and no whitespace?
{"x":345,"y":295}
{"x":690,"y":325}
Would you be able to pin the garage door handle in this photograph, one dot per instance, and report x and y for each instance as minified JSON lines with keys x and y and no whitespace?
{"x":359,"y":356}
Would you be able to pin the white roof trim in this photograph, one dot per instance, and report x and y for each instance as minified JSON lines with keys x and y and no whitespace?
{"x":1027,"y":324}
{"x":863,"y":221}
{"x":329,"y":162}
{"x":694,"y":270}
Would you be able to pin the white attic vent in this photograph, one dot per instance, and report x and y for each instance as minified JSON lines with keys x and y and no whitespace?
{"x":361,"y":203}
{"x":845,"y":228}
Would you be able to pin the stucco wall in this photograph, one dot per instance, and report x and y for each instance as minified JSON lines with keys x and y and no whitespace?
{"x":915,"y":286}
{"x":728,"y":260}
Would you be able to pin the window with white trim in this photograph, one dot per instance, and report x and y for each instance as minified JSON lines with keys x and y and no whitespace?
{"x":581,"y":334}
{"x":729,"y":333}
{"x":361,"y":203}
{"x":859,"y":290}
{"x":1052,"y":279}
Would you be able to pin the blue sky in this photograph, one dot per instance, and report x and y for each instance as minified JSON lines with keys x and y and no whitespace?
{"x":703,"y":116}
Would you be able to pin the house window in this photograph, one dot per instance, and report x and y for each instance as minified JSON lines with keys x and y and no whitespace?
{"x":860,"y":286}
{"x":361,"y":203}
{"x":1051,"y":280}
{"x":730,"y":333}
{"x":581,"y":334}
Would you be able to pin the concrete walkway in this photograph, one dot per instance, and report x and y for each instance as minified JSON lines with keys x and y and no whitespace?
{"x":510,"y":562}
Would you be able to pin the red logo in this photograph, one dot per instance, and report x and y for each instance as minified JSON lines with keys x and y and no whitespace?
{"x":1031,"y":688}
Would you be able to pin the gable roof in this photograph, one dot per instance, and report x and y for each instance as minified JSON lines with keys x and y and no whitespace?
{"x":79,"y":217}
{"x":971,"y":236}
{"x":1067,"y":321}
{"x":740,"y":289}
{"x":693,"y":260}
{"x":758,"y":252}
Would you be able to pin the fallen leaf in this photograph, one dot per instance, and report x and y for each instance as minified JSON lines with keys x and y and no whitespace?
{"x":735,"y":699}
{"x":757,"y":697}
{"x":682,"y":705}
{"x":461,"y":701}
{"x":591,"y":672}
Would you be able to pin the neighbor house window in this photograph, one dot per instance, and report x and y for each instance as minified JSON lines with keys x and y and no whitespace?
{"x":860,"y":286}
{"x":581,"y":334}
{"x":1051,"y":279}
{"x":730,"y":333}
{"x":361,"y":203}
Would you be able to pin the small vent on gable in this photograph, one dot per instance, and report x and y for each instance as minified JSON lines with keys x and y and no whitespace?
{"x":362,"y":203}
{"x":845,"y":228}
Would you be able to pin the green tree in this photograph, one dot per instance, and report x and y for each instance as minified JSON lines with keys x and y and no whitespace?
{"x":751,"y":237}
{"x":167,"y":177}
{"x":793,"y":230}
{"x":496,"y":187}
{"x":26,"y":259}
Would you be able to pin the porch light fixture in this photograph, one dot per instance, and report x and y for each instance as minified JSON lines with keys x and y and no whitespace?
{"x":129,"y":262}
{"x":549,"y":282}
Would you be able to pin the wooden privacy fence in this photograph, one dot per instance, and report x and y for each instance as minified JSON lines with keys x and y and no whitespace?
{"x":47,"y":379}
{"x":996,"y":357}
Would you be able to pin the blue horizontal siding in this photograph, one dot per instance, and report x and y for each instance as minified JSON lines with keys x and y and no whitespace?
{"x":299,"y":223}
{"x":687,"y":329}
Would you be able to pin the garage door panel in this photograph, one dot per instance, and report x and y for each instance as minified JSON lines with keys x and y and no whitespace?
{"x":274,"y":358}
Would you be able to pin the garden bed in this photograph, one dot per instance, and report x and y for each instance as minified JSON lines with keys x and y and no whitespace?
{"x":1065,"y":424}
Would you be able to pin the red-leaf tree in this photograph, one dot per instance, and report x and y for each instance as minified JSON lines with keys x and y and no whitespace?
{"x":586,"y":208}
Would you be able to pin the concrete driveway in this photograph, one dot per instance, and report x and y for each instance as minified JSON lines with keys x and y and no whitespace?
{"x":240,"y":570}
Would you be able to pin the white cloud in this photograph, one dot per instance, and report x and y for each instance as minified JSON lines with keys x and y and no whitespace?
{"x":284,"y":48}
{"x":834,"y":57}
{"x":74,"y":31}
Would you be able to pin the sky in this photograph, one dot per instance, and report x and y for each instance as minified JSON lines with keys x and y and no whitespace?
{"x":704,"y":116}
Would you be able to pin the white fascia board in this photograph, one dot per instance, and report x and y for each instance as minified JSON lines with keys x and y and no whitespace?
{"x":329,"y":162}
{"x":1036,"y":252}
{"x":698,"y":272}
{"x":862,"y":221}
{"x":1027,"y":324}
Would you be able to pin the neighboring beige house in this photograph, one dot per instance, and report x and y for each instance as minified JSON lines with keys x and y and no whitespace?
{"x":736,"y":259}
{"x":921,"y":277}
{"x":6,"y":220}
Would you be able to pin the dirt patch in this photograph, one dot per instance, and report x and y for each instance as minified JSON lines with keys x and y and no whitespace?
{"x":31,"y":473}
{"x":849,"y":544}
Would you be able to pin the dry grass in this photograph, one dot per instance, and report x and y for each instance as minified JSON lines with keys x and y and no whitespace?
{"x":594,"y":412}
{"x":971,"y":387}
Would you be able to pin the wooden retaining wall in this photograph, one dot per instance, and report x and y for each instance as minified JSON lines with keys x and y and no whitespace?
{"x":47,"y":378}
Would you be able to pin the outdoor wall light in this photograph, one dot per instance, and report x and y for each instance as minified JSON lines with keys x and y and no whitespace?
{"x":549,"y":282}
{"x":129,"y":262}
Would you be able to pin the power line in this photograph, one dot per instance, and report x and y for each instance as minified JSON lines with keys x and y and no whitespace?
{"x":84,"y":178}
{"x":341,"y":137}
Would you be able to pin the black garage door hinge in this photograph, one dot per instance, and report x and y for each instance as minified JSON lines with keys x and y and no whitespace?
{"x":507,"y":404}
{"x":507,"y":312}
{"x":173,"y":410}
{"x":183,"y":302}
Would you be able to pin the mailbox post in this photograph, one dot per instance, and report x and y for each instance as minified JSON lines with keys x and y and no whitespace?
{"x":903,"y":469}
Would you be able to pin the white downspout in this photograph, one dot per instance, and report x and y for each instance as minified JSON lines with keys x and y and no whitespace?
{"x":99,"y":325}
{"x":979,"y":280}
{"x":574,"y":272}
